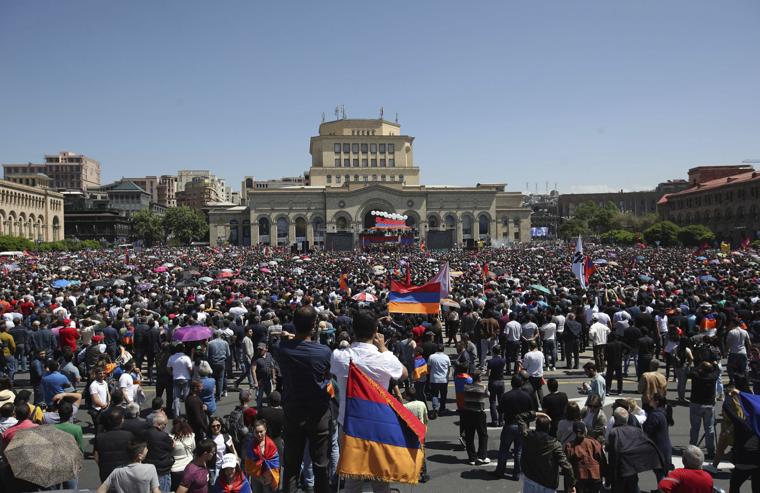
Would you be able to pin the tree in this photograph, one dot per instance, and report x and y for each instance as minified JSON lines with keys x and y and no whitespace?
{"x":573,"y":227}
{"x":619,"y":237}
{"x":695,"y":235}
{"x":185,"y":225}
{"x":665,"y":232}
{"x":147,"y":226}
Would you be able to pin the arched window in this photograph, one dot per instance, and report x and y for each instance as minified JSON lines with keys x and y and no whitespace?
{"x":451,"y":222}
{"x":467,"y":227}
{"x":264,"y":231}
{"x":282,"y":230}
{"x":433,"y":222}
{"x":234,"y":233}
{"x":484,"y":224}
{"x":300,"y":229}
{"x":318,"y":225}
{"x":341,"y":224}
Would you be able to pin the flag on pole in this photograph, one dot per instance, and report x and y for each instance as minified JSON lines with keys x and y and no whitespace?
{"x":444,"y":279}
{"x":589,"y":268}
{"x":579,"y":263}
{"x":701,"y":249}
{"x":343,"y":282}
{"x":382,"y":439}
{"x":408,"y":274}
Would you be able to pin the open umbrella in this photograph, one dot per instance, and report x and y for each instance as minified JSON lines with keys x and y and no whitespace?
{"x":600,"y":261}
{"x":378,"y":270}
{"x":707,"y":279}
{"x":60,"y":283}
{"x":644,"y":278}
{"x":145,"y":286}
{"x":449,"y":302}
{"x":366,"y":297}
{"x":701,"y":257}
{"x":44,"y":456}
{"x":65,"y":268}
{"x":205,"y":279}
{"x":239,"y":282}
{"x":160,"y":268}
{"x":192,"y":333}
{"x":102,"y":282}
{"x":265,"y":270}
{"x":120,"y":282}
{"x":540,"y":288}
{"x":224,"y":275}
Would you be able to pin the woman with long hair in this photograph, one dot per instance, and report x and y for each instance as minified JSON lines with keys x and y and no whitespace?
{"x":223,"y":442}
{"x":184,"y":443}
{"x":261,"y":462}
{"x":196,"y":412}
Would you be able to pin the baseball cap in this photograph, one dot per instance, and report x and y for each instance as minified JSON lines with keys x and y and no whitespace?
{"x":229,"y":460}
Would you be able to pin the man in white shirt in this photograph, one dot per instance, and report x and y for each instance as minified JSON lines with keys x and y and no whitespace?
{"x":513,"y":331}
{"x":127,"y":383}
{"x":737,"y":340}
{"x":548,"y":333}
{"x":533,"y":363}
{"x":559,"y":321}
{"x":181,"y":367}
{"x":371,"y":356}
{"x":597,"y":334}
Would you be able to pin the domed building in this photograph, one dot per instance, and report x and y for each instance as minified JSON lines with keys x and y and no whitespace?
{"x":360,"y":167}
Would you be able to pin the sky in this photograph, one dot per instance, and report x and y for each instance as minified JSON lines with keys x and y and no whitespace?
{"x":593,"y":95}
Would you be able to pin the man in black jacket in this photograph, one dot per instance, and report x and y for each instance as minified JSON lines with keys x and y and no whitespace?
{"x":512,"y":403}
{"x":543,"y":456}
{"x":613,"y":353}
{"x":160,"y":446}
{"x":572,"y":335}
{"x":646,"y":347}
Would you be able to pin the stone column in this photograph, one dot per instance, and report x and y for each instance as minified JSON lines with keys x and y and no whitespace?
{"x":460,"y":234}
{"x":273,"y":233}
{"x":310,"y":234}
{"x":476,"y":229}
{"x":254,"y":231}
{"x":291,"y":232}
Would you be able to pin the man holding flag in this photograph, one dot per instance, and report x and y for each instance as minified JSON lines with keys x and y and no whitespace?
{"x":579,"y":263}
{"x":369,"y":355}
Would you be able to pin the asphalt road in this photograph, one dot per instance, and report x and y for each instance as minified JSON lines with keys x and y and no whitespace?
{"x":447,"y":460}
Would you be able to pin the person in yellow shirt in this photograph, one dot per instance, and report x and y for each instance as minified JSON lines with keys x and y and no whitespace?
{"x":8,"y":345}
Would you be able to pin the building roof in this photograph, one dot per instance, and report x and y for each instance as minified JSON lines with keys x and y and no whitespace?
{"x":713,"y":185}
{"x":126,"y":186}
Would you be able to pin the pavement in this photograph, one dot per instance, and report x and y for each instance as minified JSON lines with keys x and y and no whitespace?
{"x":446,"y":458}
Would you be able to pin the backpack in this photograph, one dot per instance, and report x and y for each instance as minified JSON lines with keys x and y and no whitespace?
{"x":235,"y":425}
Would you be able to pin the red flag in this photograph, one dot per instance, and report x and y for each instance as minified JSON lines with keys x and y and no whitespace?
{"x":589,"y":268}
{"x":700,"y":250}
{"x":485,"y":271}
{"x":745,"y":244}
{"x":408,"y":274}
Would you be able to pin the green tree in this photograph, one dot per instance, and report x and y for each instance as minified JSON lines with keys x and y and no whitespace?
{"x":665,"y":232}
{"x":147,"y":226}
{"x":619,"y":237}
{"x":695,"y":235}
{"x":185,"y":225}
{"x":573,"y":227}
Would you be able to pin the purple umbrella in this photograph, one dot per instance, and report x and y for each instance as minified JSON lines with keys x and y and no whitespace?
{"x":192,"y":333}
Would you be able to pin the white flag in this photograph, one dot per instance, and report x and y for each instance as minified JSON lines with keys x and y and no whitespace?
{"x":578,"y":263}
{"x":444,"y":278}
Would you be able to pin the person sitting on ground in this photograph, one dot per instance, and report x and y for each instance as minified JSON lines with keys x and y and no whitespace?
{"x":690,"y":478}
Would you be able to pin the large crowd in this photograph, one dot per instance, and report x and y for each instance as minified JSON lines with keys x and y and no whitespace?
{"x":96,"y":330}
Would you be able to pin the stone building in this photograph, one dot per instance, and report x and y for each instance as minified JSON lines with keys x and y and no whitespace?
{"x":162,"y":189}
{"x":30,"y":212}
{"x":360,"y":166}
{"x":638,"y":203}
{"x":729,"y":205}
{"x":66,"y":170}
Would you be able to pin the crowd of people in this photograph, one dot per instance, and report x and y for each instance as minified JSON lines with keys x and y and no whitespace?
{"x":101,"y":329}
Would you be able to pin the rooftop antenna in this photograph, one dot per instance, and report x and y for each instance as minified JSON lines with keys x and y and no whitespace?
{"x":396,"y":117}
{"x":337,"y":112}
{"x":536,"y":187}
{"x":555,"y":185}
{"x":323,"y":117}
{"x":381,"y":112}
{"x":547,"y":186}
{"x":527,"y":187}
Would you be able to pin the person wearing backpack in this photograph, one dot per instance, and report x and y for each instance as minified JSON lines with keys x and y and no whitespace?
{"x":235,"y":422}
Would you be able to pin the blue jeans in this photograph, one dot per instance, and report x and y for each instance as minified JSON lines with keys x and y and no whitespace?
{"x":246,"y":373}
{"x":627,"y":362}
{"x":736,"y":363}
{"x":264,"y":386}
{"x":23,"y":364}
{"x":10,"y":367}
{"x":719,"y":381}
{"x":307,"y":473}
{"x":702,"y":414}
{"x":334,"y":455}
{"x":165,"y":482}
{"x":530,"y":486}
{"x":550,"y":353}
{"x":181,"y":388}
{"x":510,"y":434}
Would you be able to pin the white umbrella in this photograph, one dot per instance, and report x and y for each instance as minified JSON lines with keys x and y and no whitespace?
{"x":65,"y":268}
{"x":365,"y":297}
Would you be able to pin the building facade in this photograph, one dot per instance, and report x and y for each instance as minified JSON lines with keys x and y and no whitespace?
{"x":29,"y":212}
{"x":66,"y":170}
{"x":162,"y":189}
{"x":200,"y":192}
{"x":636,"y":203}
{"x":220,"y":188}
{"x":334,"y":210}
{"x":729,"y":205}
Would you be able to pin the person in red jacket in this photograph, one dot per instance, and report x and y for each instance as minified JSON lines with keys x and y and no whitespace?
{"x":691,"y":478}
{"x":68,"y":336}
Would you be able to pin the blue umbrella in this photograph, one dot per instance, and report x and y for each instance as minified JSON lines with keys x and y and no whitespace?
{"x":600,"y":261}
{"x":644,"y":278}
{"x":60,"y":283}
{"x":701,"y":258}
{"x":640,"y":258}
{"x":707,"y":279}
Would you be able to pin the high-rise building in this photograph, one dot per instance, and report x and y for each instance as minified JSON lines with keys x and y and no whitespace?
{"x":220,"y":190}
{"x":66,"y":170}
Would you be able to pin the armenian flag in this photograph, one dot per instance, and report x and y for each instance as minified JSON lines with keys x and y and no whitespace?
{"x":588,"y":268}
{"x":343,"y":282}
{"x":383,"y":440}
{"x":420,"y":368}
{"x":263,"y":466}
{"x":423,"y":299}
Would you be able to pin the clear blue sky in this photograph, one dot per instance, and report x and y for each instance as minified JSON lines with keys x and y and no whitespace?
{"x":589,"y":94}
